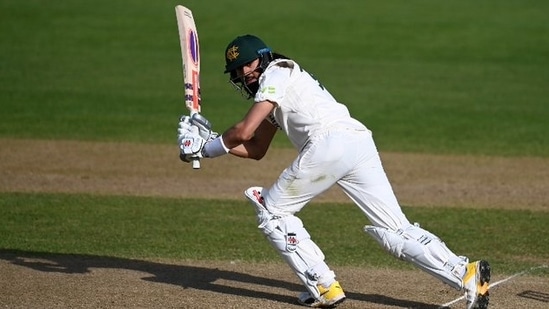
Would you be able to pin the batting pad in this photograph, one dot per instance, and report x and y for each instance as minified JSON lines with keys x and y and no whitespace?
{"x":424,"y":250}
{"x":292,"y":241}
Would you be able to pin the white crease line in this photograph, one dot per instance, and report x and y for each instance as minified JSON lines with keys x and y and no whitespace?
{"x":495,"y":284}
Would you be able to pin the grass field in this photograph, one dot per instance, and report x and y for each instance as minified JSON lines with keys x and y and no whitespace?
{"x":427,"y":76}
{"x":463,"y":78}
{"x":148,"y":228}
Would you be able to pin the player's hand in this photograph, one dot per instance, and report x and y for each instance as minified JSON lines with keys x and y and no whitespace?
{"x":184,"y":127}
{"x":204,"y":127}
{"x":191,"y":145}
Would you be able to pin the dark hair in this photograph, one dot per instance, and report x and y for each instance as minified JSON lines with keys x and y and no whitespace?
{"x":279,"y":56}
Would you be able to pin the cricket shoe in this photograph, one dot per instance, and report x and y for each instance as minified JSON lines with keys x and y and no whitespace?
{"x":475,"y":284}
{"x":329,"y":297}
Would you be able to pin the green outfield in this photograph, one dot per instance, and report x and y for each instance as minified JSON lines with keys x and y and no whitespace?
{"x":431,"y":77}
{"x":426,"y":76}
{"x":193,"y":229}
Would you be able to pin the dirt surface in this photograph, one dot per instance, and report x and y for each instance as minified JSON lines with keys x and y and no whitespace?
{"x":30,"y":280}
{"x":155,"y":170}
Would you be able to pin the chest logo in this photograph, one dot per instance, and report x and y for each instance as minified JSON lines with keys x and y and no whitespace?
{"x":268,"y":89}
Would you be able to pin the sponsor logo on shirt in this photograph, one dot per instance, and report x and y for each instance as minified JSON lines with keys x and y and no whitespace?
{"x":268,"y":89}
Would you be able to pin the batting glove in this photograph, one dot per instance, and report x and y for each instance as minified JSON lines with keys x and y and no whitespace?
{"x":191,"y":144}
{"x":184,"y":127}
{"x":204,"y":127}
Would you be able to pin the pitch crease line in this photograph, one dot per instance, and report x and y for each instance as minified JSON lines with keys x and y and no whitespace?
{"x":495,"y":284}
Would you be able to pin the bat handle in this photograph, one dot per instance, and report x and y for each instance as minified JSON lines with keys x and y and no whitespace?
{"x":196,"y":163}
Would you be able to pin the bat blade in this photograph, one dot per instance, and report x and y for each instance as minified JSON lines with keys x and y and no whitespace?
{"x":190,"y":56}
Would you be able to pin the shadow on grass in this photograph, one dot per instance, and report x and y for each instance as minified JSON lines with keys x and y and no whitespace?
{"x":201,"y":278}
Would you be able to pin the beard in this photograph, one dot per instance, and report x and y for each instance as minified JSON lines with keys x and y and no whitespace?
{"x":252,"y":88}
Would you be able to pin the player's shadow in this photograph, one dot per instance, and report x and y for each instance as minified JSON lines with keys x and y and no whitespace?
{"x":201,"y":278}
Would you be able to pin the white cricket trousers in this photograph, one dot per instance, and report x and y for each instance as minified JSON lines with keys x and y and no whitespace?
{"x":349,"y":158}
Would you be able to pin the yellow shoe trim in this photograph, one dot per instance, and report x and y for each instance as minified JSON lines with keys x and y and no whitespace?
{"x":483,"y":289}
{"x":471,"y":272}
{"x":332,"y":292}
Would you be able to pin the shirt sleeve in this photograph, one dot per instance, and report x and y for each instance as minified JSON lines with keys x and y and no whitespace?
{"x":273,"y":83}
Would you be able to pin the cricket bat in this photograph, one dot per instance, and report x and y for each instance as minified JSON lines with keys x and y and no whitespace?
{"x":190,"y":54}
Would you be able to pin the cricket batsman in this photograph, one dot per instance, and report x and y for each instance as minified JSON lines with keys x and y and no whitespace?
{"x":333,"y":148}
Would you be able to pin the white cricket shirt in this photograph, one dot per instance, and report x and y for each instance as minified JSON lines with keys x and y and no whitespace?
{"x":304,"y":108}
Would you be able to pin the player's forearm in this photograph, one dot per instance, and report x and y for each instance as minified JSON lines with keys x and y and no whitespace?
{"x":245,"y":143}
{"x":240,"y":151}
{"x":249,"y":150}
{"x":256,"y":147}
{"x":237,"y":140}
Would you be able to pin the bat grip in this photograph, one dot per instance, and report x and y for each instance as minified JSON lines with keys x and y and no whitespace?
{"x":196,"y":163}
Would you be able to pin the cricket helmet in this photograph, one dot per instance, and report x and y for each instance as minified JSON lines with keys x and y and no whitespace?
{"x":244,"y":49}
